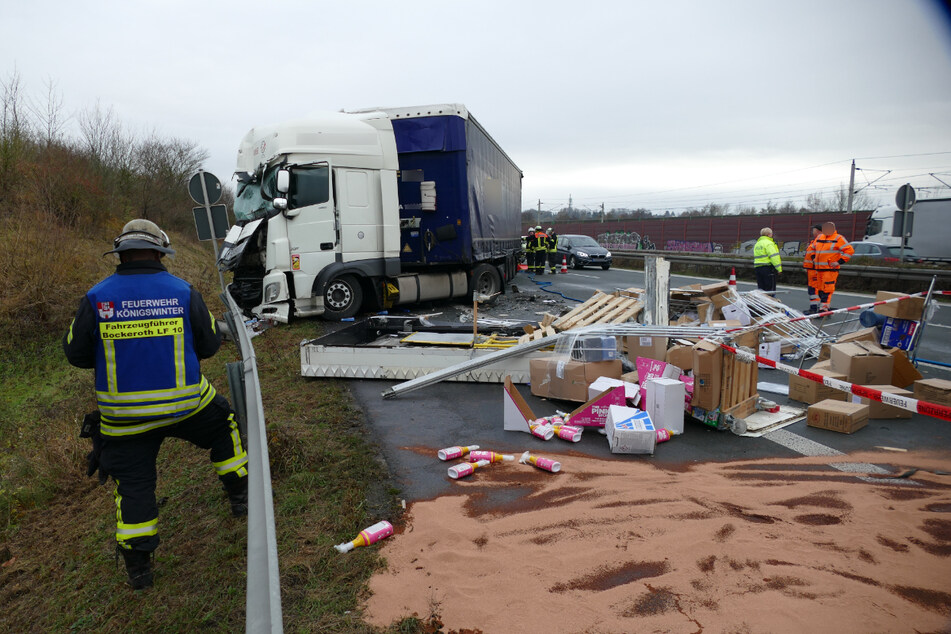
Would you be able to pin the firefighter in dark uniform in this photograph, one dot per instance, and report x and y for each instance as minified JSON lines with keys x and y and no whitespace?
{"x":530,"y":249}
{"x":552,"y":244}
{"x":144,"y":330}
{"x":541,"y":250}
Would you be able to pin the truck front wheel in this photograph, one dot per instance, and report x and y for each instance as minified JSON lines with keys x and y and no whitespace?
{"x":343,"y":298}
{"x":485,"y":280}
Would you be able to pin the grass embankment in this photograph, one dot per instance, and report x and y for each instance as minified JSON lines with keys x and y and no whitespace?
{"x":57,"y":567}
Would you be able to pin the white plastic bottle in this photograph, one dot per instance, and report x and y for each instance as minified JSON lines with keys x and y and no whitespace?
{"x":451,"y":453}
{"x":367,"y":536}
{"x":465,"y":469}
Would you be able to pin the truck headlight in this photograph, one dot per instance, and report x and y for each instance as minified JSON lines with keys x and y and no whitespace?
{"x":271,"y":292}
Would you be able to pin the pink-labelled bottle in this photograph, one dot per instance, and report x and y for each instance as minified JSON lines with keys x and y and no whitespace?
{"x":367,"y":536}
{"x":556,"y":420}
{"x":663,"y":435}
{"x":541,"y":429}
{"x":491,"y":456}
{"x":466,"y":469}
{"x":451,"y":453}
{"x":567,"y":432}
{"x":542,"y":463}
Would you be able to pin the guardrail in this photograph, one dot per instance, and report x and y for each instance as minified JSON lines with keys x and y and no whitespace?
{"x":746,"y":262}
{"x":263,"y":602}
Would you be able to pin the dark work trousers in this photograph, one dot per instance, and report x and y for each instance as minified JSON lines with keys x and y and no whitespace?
{"x":130,"y":460}
{"x":766,"y":278}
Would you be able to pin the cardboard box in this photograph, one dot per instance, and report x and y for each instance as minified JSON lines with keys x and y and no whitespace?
{"x":647,"y":347}
{"x":806,"y":391}
{"x":822,"y":365}
{"x":722,"y":300}
{"x":705,"y":312}
{"x":707,"y":368}
{"x":862,"y":362}
{"x":681,"y":356}
{"x":865,"y":334}
{"x":632,"y":391}
{"x":898,"y":333}
{"x":594,"y":413}
{"x":904,"y":373}
{"x":665,"y":404}
{"x":748,"y":339}
{"x":840,"y":416}
{"x":911,"y":308}
{"x":715,"y":289}
{"x":568,"y":380}
{"x":936,"y":391}
{"x":629,"y":430}
{"x":882,"y":410}
{"x":726,"y":324}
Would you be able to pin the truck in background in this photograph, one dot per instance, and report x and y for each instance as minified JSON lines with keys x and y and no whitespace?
{"x":929,"y":226}
{"x":371,"y":208}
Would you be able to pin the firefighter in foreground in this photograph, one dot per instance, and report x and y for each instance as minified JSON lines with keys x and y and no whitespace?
{"x":812,"y":277}
{"x":144,"y":330}
{"x":831,"y":252}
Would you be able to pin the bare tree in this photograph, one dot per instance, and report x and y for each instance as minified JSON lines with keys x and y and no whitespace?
{"x":49,"y":115}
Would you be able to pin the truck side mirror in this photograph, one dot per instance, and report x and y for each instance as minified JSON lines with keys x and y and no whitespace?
{"x":283,"y":181}
{"x":281,"y":205}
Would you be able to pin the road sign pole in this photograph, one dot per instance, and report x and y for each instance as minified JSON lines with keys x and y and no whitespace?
{"x":211,"y":224}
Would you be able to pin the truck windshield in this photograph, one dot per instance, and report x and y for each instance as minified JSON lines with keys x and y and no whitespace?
{"x":254,"y":197}
{"x":873,"y":227}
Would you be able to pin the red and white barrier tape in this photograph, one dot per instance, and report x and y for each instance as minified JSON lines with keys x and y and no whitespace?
{"x":903,"y":402}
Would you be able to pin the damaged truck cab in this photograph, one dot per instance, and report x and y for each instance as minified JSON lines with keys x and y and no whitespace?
{"x":370,"y":209}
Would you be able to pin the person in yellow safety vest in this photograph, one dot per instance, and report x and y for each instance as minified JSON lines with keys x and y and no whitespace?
{"x":832,"y":251}
{"x":143,"y":332}
{"x":766,"y":261}
{"x":552,"y":242}
{"x":812,"y":276}
{"x":541,"y":250}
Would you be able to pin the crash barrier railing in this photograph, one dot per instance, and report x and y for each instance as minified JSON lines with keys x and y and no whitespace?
{"x":892,"y":273}
{"x":903,"y":402}
{"x":263,"y":601}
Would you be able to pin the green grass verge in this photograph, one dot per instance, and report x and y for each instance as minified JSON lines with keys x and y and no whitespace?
{"x":57,"y":566}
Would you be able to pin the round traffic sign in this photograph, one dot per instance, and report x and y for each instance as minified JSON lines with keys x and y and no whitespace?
{"x":212,"y":186}
{"x":905,"y":198}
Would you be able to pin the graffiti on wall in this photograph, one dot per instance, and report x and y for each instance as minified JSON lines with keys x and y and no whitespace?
{"x":625,"y":241}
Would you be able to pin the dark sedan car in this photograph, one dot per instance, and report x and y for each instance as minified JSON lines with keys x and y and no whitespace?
{"x":883,"y":252}
{"x":582,"y":251}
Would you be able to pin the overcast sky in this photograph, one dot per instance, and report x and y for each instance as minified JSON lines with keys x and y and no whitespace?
{"x":658,"y":104}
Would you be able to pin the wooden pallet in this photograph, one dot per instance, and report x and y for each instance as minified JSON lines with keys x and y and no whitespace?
{"x":603,"y":308}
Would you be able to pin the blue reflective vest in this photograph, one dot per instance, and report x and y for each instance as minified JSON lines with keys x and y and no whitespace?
{"x":147,"y":372}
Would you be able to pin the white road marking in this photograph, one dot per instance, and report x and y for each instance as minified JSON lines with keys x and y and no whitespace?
{"x":806,"y":447}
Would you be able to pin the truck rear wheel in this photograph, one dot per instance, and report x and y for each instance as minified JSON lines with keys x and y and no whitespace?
{"x":343,"y":297}
{"x":485,"y":280}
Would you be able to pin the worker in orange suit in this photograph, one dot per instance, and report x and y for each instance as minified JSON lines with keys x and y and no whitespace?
{"x":832,"y":251}
{"x":812,"y":277}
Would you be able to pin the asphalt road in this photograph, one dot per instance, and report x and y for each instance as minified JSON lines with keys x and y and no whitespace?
{"x":411,"y":428}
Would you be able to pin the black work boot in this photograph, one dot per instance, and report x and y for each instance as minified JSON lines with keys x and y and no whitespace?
{"x":238,"y":496}
{"x":138,"y":565}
